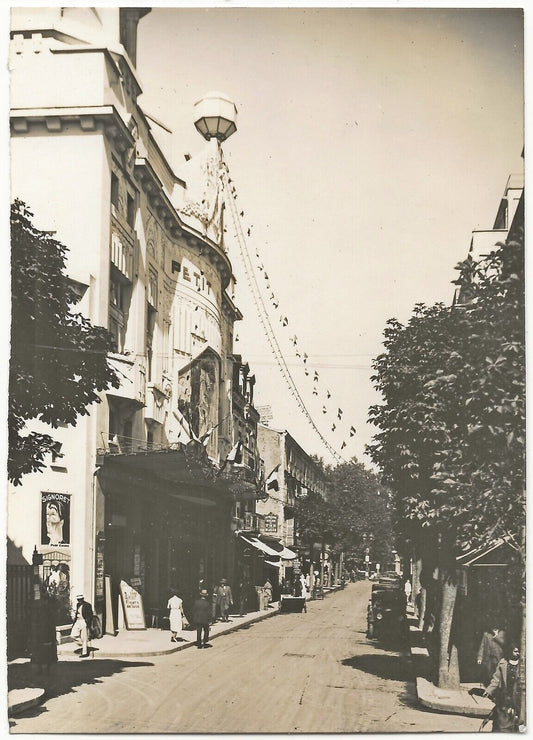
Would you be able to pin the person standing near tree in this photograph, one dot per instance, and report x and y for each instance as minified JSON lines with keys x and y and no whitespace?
{"x":504,"y":690}
{"x":490,"y":653}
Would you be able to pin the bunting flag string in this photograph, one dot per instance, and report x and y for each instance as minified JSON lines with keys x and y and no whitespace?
{"x":284,"y":320}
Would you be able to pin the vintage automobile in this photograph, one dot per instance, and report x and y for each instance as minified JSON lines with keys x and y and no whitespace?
{"x":386,"y":615}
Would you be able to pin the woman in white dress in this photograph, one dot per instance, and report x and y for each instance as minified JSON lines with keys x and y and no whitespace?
{"x":175,"y":610}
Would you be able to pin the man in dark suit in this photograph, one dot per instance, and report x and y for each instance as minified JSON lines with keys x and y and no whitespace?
{"x":224,"y":599}
{"x":201,"y":617}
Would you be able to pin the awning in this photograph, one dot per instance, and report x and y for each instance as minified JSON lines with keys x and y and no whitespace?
{"x":273,"y":549}
{"x":272,"y":562}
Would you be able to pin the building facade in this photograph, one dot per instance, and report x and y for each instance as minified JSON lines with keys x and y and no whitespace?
{"x":290,"y":473}
{"x":138,"y":483}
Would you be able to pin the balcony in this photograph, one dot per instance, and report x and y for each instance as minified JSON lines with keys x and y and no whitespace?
{"x":157,"y":397}
{"x":131,"y":373}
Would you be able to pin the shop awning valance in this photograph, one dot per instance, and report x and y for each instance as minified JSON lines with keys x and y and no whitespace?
{"x":273,"y":549}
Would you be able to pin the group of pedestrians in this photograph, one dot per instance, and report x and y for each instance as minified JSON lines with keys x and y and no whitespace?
{"x":203,"y":613}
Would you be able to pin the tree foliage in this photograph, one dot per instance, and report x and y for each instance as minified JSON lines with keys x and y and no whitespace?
{"x":58,"y":358}
{"x":361,"y":513}
{"x":356,"y":512}
{"x":452,"y":422}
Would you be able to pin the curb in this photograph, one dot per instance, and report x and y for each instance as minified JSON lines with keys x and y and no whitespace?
{"x":16,"y":703}
{"x":443,"y":700}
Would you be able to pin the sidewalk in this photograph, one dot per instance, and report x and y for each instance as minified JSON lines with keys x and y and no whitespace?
{"x":442,"y":700}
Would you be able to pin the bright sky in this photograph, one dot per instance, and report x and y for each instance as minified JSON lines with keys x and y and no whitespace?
{"x":370,"y":143}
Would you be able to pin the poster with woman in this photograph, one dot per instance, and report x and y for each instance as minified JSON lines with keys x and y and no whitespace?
{"x":55,"y":518}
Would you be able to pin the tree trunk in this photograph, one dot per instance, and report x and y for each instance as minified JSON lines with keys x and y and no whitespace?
{"x":448,"y":658}
{"x":448,"y":673}
{"x":422,"y":612}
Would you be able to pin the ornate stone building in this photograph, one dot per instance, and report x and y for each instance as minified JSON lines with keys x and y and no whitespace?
{"x":139,"y":477}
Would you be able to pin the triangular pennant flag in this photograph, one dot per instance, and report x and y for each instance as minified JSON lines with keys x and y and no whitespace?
{"x":185,"y":426}
{"x":235,"y":454}
{"x":315,"y":392}
{"x":305,"y":357}
{"x":204,"y":439}
{"x":294,"y":340}
{"x":343,"y":445}
{"x":272,"y":482}
{"x":328,"y":394}
{"x":339,"y":413}
{"x":316,"y":377}
{"x":285,"y":321}
{"x":352,"y":431}
{"x":324,"y":410}
{"x":333,"y":428}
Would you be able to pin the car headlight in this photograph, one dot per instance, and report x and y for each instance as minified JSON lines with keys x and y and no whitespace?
{"x":379,"y":615}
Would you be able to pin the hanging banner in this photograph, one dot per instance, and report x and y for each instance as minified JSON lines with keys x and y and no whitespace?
{"x":132,"y":605}
{"x":55,"y":519}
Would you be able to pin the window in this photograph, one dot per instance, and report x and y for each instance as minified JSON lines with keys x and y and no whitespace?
{"x":114,"y":190}
{"x":119,"y":300}
{"x":130,"y":213}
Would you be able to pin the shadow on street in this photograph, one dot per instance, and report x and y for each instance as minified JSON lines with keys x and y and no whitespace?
{"x":64,"y":676}
{"x":389,"y":667}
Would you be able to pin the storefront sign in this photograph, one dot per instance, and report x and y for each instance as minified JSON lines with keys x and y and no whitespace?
{"x":137,"y":560}
{"x":132,"y":605}
{"x":297,"y":566}
{"x":55,"y":519}
{"x":271,"y":522}
{"x":99,"y":584}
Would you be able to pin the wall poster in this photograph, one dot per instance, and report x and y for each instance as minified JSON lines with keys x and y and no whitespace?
{"x":55,"y":518}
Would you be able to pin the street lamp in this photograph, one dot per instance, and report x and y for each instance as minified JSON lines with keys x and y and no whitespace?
{"x":216,"y":116}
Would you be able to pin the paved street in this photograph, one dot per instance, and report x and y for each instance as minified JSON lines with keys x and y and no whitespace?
{"x":313,"y":672}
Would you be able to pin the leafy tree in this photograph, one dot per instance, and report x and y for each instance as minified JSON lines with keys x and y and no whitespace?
{"x":357,"y":511}
{"x":361,"y":513}
{"x":452,"y":422}
{"x":58,"y":359}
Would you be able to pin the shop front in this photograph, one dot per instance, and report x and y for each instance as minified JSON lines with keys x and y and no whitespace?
{"x":166,"y":526}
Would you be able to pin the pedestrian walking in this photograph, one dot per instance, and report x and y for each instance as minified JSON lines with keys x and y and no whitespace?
{"x":504,"y":690}
{"x":224,"y":599}
{"x":490,"y":652}
{"x":244,"y":587}
{"x":201,"y":616}
{"x":43,"y":634}
{"x":176,"y":615}
{"x":267,"y":593}
{"x":418,"y":603}
{"x":305,"y":592}
{"x":408,"y":589}
{"x":83,"y":617}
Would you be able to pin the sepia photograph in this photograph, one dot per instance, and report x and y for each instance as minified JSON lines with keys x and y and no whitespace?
{"x":266,"y":377}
